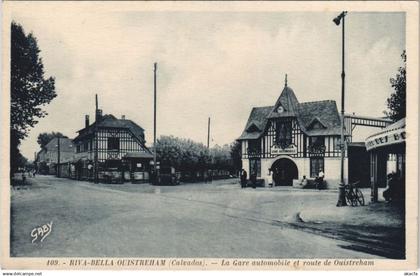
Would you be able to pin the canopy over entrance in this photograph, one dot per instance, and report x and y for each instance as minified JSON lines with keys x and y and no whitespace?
{"x":391,"y":135}
{"x":388,"y":142}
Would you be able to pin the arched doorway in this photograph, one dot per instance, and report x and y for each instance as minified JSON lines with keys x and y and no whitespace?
{"x":284,"y":171}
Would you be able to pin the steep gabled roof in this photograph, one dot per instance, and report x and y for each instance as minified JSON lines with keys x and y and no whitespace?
{"x":258,"y":117}
{"x":66,"y":145}
{"x":253,"y":127}
{"x":314,"y":122}
{"x":110,"y":121}
{"x":324,"y":112}
{"x":327,"y":114}
{"x":288,"y":101}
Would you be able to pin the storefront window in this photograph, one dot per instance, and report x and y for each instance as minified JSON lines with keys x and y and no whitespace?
{"x":255,"y":167}
{"x":113,"y":164}
{"x":316,"y":165}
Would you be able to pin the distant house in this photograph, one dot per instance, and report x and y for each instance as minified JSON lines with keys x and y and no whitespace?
{"x":117,"y":146}
{"x":57,"y":151}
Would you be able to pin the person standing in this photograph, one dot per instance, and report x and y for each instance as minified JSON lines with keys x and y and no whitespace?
{"x":243,"y":178}
{"x":320,"y":179}
{"x":254,"y":180}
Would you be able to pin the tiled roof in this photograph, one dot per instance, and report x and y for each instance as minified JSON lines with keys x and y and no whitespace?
{"x":66,"y":144}
{"x":325,"y":112}
{"x":288,"y":101}
{"x":258,"y":117}
{"x":109,"y":121}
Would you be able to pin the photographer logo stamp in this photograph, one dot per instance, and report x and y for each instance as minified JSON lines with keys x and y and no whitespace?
{"x":39,"y":233}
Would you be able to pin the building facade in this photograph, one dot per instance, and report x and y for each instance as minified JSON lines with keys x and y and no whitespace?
{"x":293,"y":140}
{"x":57,"y":151}
{"x":384,"y":147}
{"x":113,"y":149}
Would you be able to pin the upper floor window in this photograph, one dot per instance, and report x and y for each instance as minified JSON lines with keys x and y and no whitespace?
{"x":284,"y":134}
{"x":317,"y":144}
{"x":85,"y":146}
{"x":254,"y":147}
{"x":113,"y":143}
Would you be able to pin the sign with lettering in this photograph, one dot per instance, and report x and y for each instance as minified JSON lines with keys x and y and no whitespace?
{"x":385,"y":139}
{"x":276,"y":150}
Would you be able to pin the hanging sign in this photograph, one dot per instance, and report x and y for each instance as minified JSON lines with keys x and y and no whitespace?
{"x":291,"y":149}
{"x":385,"y":139}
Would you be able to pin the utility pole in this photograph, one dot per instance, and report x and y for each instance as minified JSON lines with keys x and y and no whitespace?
{"x":95,"y":137}
{"x":58,"y":156}
{"x":341,"y":195}
{"x":208,"y":134}
{"x":154,"y":121}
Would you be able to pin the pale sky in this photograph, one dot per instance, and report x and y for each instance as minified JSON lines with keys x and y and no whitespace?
{"x":217,"y":64}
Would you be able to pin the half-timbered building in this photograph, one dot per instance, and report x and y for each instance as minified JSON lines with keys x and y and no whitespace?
{"x":112,"y":148}
{"x":293,"y":139}
{"x":289,"y":140}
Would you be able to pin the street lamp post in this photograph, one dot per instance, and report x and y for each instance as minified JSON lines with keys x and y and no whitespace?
{"x":58,"y":157}
{"x":341,"y":195}
{"x":154,"y":124}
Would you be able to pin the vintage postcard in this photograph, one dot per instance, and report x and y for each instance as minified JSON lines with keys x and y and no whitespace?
{"x":210,"y":135}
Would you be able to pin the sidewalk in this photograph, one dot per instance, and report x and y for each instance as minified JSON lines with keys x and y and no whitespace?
{"x":378,"y":214}
{"x":375,"y":228}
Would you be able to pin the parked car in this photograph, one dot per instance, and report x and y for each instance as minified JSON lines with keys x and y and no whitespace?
{"x":168,"y":176}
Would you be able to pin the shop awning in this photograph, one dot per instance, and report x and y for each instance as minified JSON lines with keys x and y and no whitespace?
{"x":140,"y":154}
{"x":391,"y":135}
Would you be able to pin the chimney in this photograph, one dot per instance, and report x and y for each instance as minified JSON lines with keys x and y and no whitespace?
{"x":98,"y":115}
{"x":86,"y":121}
{"x":98,"y":112}
{"x":122,"y":117}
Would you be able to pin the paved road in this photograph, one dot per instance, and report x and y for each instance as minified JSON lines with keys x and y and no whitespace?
{"x":195,"y":220}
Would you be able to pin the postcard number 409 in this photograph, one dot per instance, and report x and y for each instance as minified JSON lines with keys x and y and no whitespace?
{"x":52,"y":262}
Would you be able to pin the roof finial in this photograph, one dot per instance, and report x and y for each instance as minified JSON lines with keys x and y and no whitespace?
{"x":285,"y":81}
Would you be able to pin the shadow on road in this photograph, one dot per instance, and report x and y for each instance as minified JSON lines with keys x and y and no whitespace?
{"x":382,"y":241}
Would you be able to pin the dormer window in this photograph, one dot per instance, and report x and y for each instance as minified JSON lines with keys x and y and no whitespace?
{"x":252,"y":128}
{"x":316,"y":123}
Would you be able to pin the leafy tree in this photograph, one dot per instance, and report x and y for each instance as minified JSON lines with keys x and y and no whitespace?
{"x":29,"y":89}
{"x":235,"y":155}
{"x":220,"y":157}
{"x":45,"y":137}
{"x":190,"y":157}
{"x":397,"y":101}
{"x":183,"y":154}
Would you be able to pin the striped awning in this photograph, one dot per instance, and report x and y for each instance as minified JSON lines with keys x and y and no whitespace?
{"x":391,"y":135}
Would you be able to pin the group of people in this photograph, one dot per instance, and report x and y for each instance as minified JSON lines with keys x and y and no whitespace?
{"x":319,"y":181}
{"x":244,"y":179}
{"x":396,"y":187}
